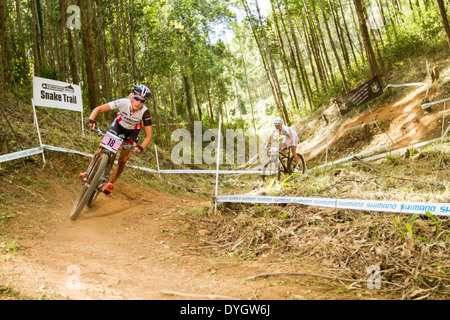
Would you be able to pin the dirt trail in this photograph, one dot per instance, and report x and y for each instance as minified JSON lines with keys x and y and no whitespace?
{"x":130,"y":245}
{"x":408,"y":123}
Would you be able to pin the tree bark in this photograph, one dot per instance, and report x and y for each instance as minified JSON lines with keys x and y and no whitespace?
{"x":441,"y":6}
{"x":87,"y":21}
{"x":360,"y":12}
{"x":7,"y":72}
{"x":62,"y":27}
{"x":279,"y":94}
{"x":338,"y":61}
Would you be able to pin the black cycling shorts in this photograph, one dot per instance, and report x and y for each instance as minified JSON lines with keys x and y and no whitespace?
{"x":131,"y":135}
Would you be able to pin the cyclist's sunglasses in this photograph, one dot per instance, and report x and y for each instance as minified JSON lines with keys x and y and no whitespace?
{"x":139,"y":99}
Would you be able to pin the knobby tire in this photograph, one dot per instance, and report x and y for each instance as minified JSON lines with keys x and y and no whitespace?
{"x":90,"y":186}
{"x":270,"y":169}
{"x":301,"y":163}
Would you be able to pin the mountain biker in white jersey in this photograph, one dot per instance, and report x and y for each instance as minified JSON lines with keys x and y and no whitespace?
{"x":132,"y":116}
{"x":290,"y":139}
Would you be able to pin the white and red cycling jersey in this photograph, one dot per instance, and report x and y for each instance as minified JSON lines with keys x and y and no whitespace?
{"x":127,"y":117}
{"x":285,"y":131}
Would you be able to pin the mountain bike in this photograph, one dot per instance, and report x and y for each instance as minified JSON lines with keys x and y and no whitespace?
{"x":282,"y":163}
{"x":98,"y":172}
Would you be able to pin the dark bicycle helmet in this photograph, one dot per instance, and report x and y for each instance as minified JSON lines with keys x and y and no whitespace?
{"x":141,"y":90}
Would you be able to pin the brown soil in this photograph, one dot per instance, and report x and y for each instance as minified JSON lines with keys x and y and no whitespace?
{"x":136,"y":244}
{"x":400,"y":124}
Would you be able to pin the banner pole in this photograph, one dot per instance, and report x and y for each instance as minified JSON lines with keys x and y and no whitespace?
{"x":217,"y":167}
{"x":37,"y":128}
{"x":157,"y":160}
{"x":443,"y":122}
{"x":82,"y":122}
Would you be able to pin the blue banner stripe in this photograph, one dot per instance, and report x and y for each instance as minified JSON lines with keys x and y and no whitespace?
{"x":442,"y":209}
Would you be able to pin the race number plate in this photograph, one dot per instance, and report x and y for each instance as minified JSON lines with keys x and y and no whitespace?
{"x":111,"y":142}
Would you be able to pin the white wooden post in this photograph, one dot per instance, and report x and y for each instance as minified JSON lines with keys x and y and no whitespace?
{"x":217,"y":167}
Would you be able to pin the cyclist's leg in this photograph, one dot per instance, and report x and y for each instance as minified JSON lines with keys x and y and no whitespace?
{"x":123,"y":158}
{"x":294,"y":152}
{"x":131,"y":137}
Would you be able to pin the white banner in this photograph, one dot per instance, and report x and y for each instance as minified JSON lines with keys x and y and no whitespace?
{"x":440,"y":209}
{"x":57,"y":94}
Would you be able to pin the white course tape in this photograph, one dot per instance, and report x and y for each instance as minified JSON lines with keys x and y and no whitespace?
{"x":348,"y":158}
{"x":20,"y":154}
{"x":429,"y":104}
{"x":405,"y":85}
{"x":66,"y":150}
{"x":417,"y":145}
{"x":441,"y":209}
{"x":156,"y":171}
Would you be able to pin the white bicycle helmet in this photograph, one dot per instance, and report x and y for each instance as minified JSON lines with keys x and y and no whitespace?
{"x":141,"y":90}
{"x":278,"y":121}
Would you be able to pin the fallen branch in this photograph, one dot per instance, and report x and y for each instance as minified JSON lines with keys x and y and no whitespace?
{"x":317,"y":276}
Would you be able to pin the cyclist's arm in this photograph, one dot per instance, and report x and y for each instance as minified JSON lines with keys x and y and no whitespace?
{"x":268,"y":141}
{"x":290,"y":139}
{"x":97,"y":111}
{"x":148,"y":137}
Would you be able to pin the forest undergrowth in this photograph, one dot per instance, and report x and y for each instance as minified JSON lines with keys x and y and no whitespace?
{"x":410,"y":251}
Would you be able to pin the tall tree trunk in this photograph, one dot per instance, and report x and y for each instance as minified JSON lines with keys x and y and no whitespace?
{"x":340,"y":37}
{"x":360,"y":12}
{"x":324,"y":49}
{"x":62,"y":27}
{"x":262,"y":54}
{"x":172,"y":100}
{"x":187,"y":93}
{"x":338,"y":61}
{"x":211,"y":114}
{"x":284,"y":58}
{"x":117,"y":47}
{"x":155,"y":112}
{"x":102,"y":55}
{"x":303,"y":90}
{"x":87,"y":20}
{"x":249,"y":97}
{"x":299,"y":56}
{"x":279,"y":94}
{"x":7,"y":72}
{"x":348,"y":34}
{"x":36,"y":29}
{"x":196,"y":97}
{"x":72,"y":58}
{"x":441,"y":6}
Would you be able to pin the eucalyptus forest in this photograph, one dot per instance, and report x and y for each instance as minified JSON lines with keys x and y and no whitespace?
{"x":208,"y":58}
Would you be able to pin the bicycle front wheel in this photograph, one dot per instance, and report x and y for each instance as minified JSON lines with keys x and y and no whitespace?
{"x":90,"y":186}
{"x":301,"y":163}
{"x":271,"y":169}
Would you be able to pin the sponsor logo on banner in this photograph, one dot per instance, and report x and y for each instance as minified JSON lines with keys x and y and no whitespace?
{"x":57,"y":94}
{"x":364,"y":93}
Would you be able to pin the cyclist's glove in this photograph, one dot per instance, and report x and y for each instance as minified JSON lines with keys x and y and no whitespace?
{"x":140,"y":148}
{"x":93,"y":122}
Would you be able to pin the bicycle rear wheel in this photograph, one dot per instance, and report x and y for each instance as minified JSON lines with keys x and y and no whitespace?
{"x":301,"y":163}
{"x":271,"y":169}
{"x":90,"y":186}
